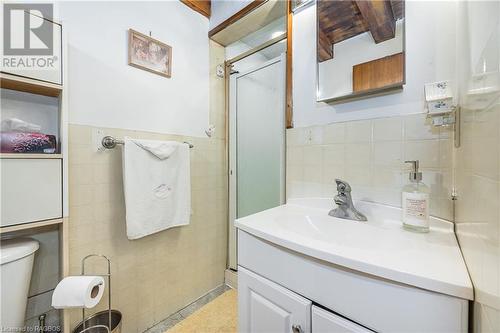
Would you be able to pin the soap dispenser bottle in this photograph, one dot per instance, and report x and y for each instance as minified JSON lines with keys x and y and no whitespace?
{"x":415,"y":198}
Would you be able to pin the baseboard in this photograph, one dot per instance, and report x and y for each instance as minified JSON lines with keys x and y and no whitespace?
{"x":231,"y":278}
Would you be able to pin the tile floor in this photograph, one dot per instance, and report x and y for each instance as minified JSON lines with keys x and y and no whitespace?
{"x":200,"y":314}
{"x":218,"y":316}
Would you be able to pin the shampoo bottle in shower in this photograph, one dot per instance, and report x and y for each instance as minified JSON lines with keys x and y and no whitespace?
{"x":415,"y":198}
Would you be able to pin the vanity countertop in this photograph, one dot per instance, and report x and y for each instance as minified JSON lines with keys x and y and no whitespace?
{"x":379,"y":247}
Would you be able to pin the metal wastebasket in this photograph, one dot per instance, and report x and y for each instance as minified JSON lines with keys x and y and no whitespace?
{"x":102,"y":318}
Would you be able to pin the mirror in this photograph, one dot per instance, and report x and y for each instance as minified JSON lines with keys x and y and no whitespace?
{"x":360,"y":48}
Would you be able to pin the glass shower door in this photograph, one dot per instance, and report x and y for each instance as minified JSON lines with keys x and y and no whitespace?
{"x":257,"y":142}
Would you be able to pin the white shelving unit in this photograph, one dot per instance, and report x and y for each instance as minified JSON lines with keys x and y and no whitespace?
{"x":34,"y":86}
{"x":31,"y":156}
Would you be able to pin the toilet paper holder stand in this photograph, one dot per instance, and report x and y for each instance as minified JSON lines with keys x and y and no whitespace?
{"x":108,"y":275}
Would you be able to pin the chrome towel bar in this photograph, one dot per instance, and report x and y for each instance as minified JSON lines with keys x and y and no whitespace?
{"x":110,"y":142}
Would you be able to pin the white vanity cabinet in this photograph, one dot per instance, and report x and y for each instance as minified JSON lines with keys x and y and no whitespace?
{"x":265,"y":306}
{"x":277,"y":288}
{"x":299,"y":266}
{"x":324,"y":321}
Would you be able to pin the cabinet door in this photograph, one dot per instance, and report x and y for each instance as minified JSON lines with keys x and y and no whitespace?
{"x":31,"y":190}
{"x":265,"y":307}
{"x":48,"y":67}
{"x":327,"y":322}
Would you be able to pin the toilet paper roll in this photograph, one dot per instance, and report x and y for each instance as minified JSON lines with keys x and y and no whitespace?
{"x":78,"y":292}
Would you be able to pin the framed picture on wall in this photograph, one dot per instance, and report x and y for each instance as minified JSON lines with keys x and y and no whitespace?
{"x":149,"y":54}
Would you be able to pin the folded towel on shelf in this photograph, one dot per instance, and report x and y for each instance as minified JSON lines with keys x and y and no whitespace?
{"x":157,"y":186}
{"x":19,"y":142}
{"x":18,"y":125}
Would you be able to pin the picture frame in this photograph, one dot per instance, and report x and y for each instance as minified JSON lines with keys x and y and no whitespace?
{"x":149,"y":54}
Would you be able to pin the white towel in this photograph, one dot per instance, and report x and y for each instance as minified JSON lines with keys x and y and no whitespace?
{"x":157,"y":186}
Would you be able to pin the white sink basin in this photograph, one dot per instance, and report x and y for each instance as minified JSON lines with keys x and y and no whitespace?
{"x":320,"y":228}
{"x":380,"y":246}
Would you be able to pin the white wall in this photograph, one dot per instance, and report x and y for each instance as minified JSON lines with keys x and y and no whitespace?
{"x":335,"y":75}
{"x":221,"y":10}
{"x":430,"y":56}
{"x":106,"y":92}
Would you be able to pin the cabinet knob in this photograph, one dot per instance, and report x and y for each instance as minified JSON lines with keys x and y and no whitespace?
{"x":296,"y":329}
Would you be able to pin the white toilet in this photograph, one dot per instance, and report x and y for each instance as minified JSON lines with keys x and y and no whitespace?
{"x":16,"y":265}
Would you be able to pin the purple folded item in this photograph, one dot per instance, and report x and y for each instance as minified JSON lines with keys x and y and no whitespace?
{"x":20,"y":142}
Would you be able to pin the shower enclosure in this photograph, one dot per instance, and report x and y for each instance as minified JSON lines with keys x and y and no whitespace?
{"x":256,"y":140}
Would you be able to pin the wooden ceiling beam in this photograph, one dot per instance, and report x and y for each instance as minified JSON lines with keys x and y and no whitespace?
{"x":325,"y":46}
{"x":398,"y":9}
{"x":201,"y":6}
{"x":337,"y":21}
{"x":379,"y":17}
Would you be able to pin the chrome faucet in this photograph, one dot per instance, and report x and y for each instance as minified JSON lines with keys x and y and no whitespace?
{"x":343,"y":199}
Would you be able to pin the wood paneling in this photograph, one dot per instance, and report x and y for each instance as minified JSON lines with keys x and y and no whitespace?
{"x":378,"y":15}
{"x":201,"y":6}
{"x":378,"y":73}
{"x":289,"y":74}
{"x":247,"y":9}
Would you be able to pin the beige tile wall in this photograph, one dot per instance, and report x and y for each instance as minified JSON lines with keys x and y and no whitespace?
{"x":157,"y":275}
{"x":370,"y":155}
{"x":478,"y":210}
{"x":477,"y":166}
